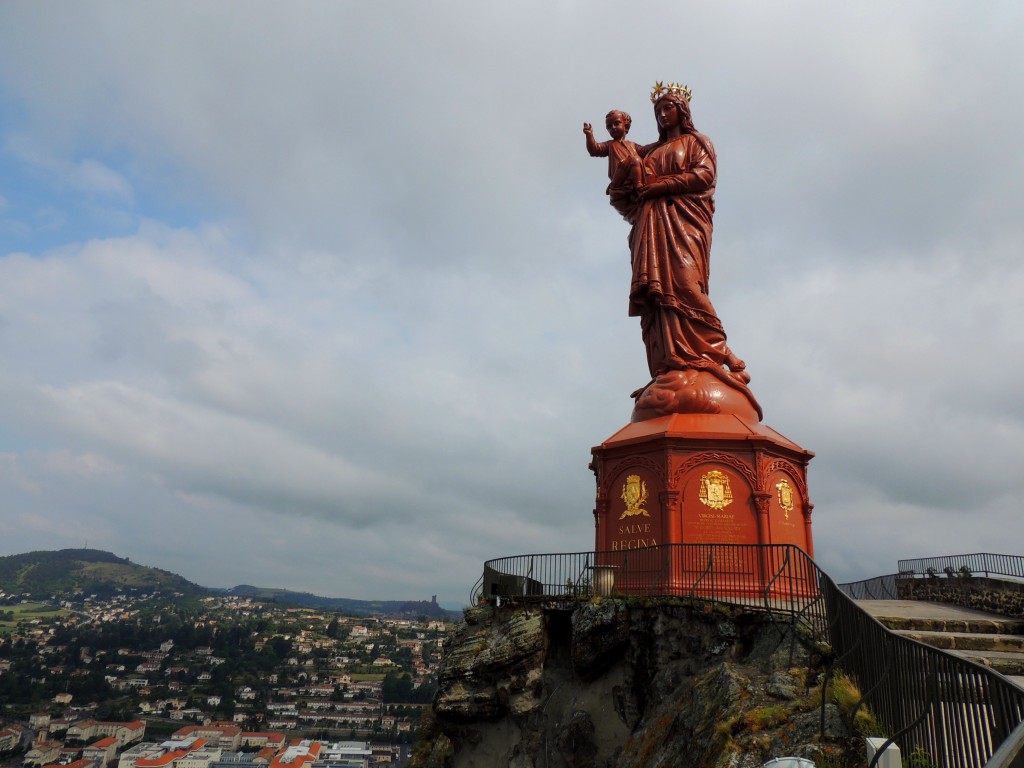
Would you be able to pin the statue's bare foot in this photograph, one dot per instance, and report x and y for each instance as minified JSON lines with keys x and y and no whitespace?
{"x":737,"y":368}
{"x":636,"y":393}
{"x":735,"y":364}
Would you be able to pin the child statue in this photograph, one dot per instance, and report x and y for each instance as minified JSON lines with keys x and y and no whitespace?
{"x":626,"y":170}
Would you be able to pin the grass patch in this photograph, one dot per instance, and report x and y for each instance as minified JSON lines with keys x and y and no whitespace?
{"x":752,"y":721}
{"x":120,"y":575}
{"x":156,"y":729}
{"x":27,"y":612}
{"x":846,"y":695}
{"x":362,"y":677}
{"x":919,"y":758}
{"x":764,"y":717}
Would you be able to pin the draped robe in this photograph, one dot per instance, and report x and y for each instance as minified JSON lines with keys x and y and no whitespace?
{"x":670,"y":243}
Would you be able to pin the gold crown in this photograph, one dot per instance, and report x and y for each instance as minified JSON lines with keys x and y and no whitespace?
{"x":662,"y":89}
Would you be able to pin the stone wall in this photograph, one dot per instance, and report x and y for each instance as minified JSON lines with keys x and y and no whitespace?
{"x":993,"y":595}
{"x":622,"y":684}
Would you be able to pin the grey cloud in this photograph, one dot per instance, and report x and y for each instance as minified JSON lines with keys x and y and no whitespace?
{"x":403,"y":317}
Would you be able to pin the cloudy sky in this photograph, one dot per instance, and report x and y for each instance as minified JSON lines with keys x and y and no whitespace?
{"x":328,"y":296}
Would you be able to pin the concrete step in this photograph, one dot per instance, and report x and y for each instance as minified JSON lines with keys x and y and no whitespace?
{"x":937,"y":624}
{"x":985,"y":638}
{"x":967,"y":641}
{"x":1009,"y":664}
{"x":939,"y":617}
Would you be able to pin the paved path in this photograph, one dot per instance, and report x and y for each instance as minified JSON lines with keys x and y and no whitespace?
{"x":919,"y":609}
{"x":983,"y":637}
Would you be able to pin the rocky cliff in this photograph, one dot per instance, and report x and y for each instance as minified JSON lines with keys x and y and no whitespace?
{"x":623,"y":684}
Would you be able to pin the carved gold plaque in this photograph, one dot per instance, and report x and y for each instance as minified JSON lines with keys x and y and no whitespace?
{"x":785,"y":496}
{"x":714,"y":490}
{"x":634,"y":493}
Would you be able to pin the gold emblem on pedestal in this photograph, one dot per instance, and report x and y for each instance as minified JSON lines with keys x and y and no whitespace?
{"x":714,"y":490}
{"x":785,"y":496}
{"x":634,"y":493}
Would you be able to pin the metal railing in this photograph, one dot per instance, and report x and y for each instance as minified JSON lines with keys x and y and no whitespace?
{"x":778,"y":578}
{"x":978,"y":564}
{"x":957,"y":712}
{"x":954,"y":710}
{"x":878,"y":588}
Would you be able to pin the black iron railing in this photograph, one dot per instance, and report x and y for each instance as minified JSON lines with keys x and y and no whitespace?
{"x":878,"y":588}
{"x":777,"y":578}
{"x":956,"y":712}
{"x":978,"y":564}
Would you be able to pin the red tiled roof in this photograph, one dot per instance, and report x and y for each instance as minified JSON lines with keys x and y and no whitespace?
{"x":300,"y":760}
{"x":223,"y":730}
{"x":169,"y":757}
{"x":157,"y":762}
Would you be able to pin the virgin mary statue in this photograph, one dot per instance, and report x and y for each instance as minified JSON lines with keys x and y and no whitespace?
{"x":692,"y":368}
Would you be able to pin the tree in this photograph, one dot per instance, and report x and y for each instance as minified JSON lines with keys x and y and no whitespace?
{"x":279,"y":646}
{"x":396,"y":687}
{"x":403,"y":656}
{"x":337,"y":630}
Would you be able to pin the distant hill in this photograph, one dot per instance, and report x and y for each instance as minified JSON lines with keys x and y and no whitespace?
{"x":46,"y":574}
{"x":68,"y":572}
{"x":343,"y":604}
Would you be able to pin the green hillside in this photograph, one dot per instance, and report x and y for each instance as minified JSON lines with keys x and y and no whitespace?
{"x":46,"y":574}
{"x":348,"y":606}
{"x":66,"y":573}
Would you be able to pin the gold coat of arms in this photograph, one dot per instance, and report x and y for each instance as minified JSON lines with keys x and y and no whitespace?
{"x":785,"y":496}
{"x":714,"y":490}
{"x":634,"y":493}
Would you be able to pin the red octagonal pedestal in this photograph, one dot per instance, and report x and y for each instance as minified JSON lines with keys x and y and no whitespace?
{"x":700,"y":479}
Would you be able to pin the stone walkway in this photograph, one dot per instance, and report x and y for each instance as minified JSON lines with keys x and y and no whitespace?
{"x":986,"y":638}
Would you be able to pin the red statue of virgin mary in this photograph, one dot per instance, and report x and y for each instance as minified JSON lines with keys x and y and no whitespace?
{"x":692,"y":368}
{"x":695,"y":465}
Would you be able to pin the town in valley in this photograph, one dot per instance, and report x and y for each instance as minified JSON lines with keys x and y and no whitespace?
{"x":137,"y":679}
